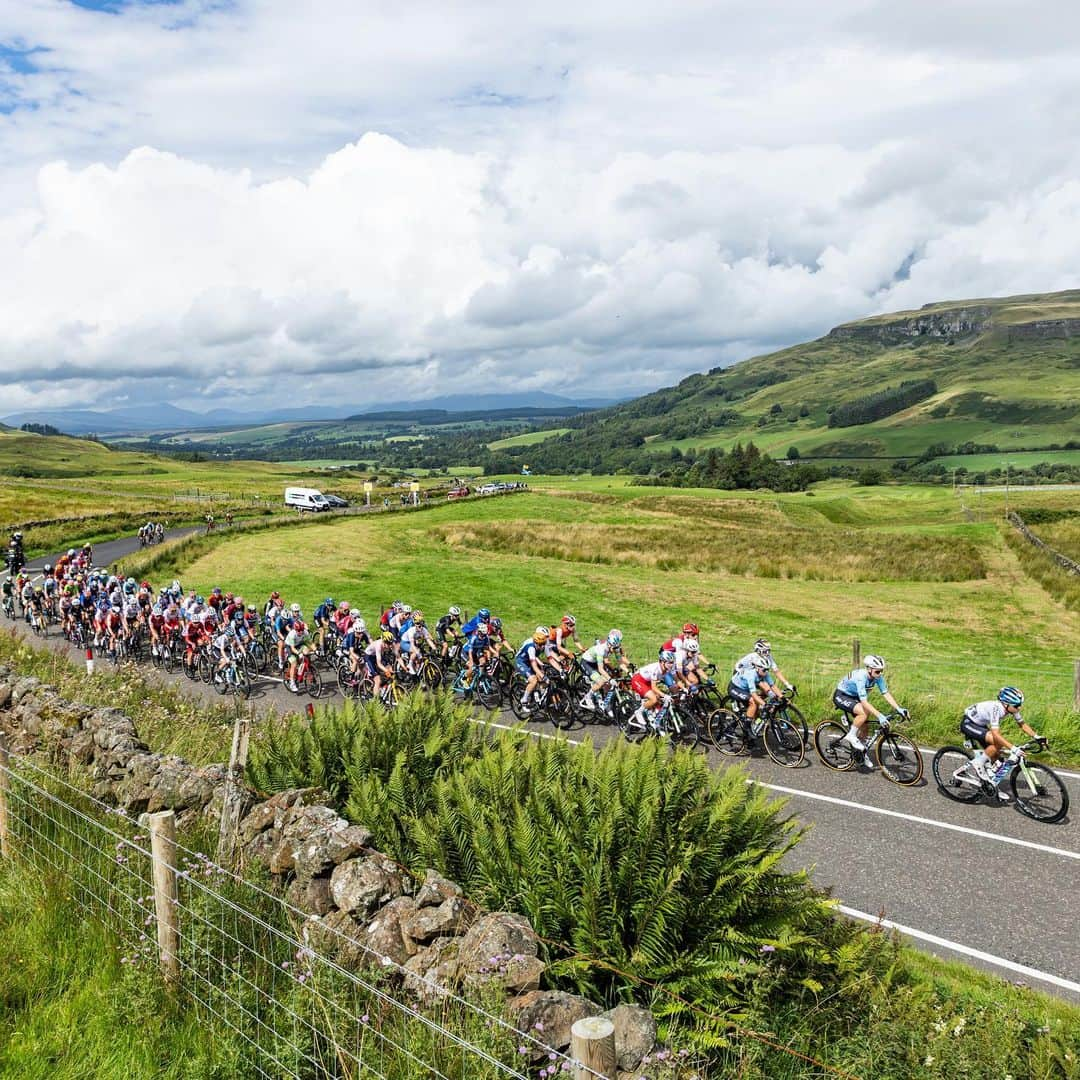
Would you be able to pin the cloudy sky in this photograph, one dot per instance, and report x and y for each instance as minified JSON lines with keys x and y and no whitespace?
{"x":266,"y":201}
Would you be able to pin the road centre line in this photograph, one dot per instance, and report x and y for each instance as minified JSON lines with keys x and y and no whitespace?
{"x":919,"y":820}
{"x":844,"y":802}
{"x":964,"y":950}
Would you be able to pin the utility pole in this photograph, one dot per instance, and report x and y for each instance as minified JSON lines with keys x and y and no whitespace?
{"x":1006,"y":489}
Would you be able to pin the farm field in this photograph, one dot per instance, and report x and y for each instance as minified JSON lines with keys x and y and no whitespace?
{"x":528,"y":438}
{"x":1017,"y":460}
{"x":903,"y":569}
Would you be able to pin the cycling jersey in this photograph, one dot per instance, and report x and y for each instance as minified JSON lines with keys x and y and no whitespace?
{"x":988,"y":714}
{"x":476,"y":647}
{"x":655,"y":673}
{"x":859,"y":684}
{"x":444,"y":628}
{"x":323,"y":612}
{"x":296,"y":640}
{"x":523,"y":659}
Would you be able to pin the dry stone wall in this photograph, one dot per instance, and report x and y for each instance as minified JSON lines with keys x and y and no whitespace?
{"x":359,"y":905}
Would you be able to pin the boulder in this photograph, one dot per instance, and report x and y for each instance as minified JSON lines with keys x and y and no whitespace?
{"x":312,"y":896}
{"x":435,"y":890}
{"x":328,"y":846}
{"x":338,"y":935}
{"x":504,"y":946}
{"x":548,"y":1016}
{"x":23,"y":687}
{"x":300,"y":824}
{"x":635,"y":1034}
{"x":364,"y":885}
{"x":453,"y":916}
{"x":385,"y":937}
{"x":260,"y":817}
{"x":433,"y":969}
{"x":82,"y":747}
{"x":5,"y":695}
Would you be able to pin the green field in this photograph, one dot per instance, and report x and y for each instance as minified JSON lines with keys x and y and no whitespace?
{"x":903,"y":569}
{"x":1018,"y":460}
{"x":529,"y":438}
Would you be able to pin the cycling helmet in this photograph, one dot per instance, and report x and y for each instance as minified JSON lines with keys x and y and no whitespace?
{"x":207,"y":618}
{"x":329,"y":601}
{"x":614,"y":638}
{"x":343,"y":606}
{"x":216,"y":591}
{"x":71,"y":553}
{"x":294,"y":609}
{"x":692,"y":647}
{"x":275,"y":595}
{"x":239,"y":601}
{"x":229,"y":596}
{"x":540,"y":634}
{"x":1009,"y":695}
{"x":299,"y":625}
{"x":397,"y":605}
{"x":495,"y":625}
{"x":454,"y":612}
{"x":667,"y":656}
{"x":156,"y":609}
{"x":483,"y":614}
{"x":569,"y":621}
{"x":762,"y":647}
{"x":47,"y":568}
{"x":358,"y":625}
{"x":875,"y":662}
{"x":388,"y":638}
{"x":252,"y":610}
{"x":76,"y":602}
{"x":690,"y":628}
{"x":758,"y":662}
{"x":482,"y":630}
{"x":417,"y":616}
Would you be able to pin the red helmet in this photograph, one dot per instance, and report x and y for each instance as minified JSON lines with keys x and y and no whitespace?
{"x":690,"y":628}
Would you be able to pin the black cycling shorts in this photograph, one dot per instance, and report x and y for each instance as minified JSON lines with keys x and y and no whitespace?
{"x":975,"y":732}
{"x":845,"y":702}
{"x":737,"y":693}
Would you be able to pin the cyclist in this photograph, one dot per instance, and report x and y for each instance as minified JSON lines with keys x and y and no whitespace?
{"x":772,"y":671}
{"x":982,"y":725}
{"x":529,"y":662}
{"x":323,"y":613}
{"x":750,"y":684}
{"x":558,"y":654}
{"x":283,"y":622}
{"x":680,"y":645}
{"x":498,"y":638}
{"x":601,"y":663}
{"x":272,"y":604}
{"x":477,"y":652}
{"x":9,"y":596}
{"x":445,"y":632}
{"x":353,"y":643}
{"x":297,"y":644}
{"x":343,"y":618}
{"x":379,"y":657}
{"x":652,"y":683}
{"x":413,"y":634}
{"x":851,"y":697}
{"x":482,"y":616}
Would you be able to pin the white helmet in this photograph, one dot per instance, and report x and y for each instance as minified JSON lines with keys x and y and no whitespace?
{"x":692,"y":646}
{"x":758,"y":662}
{"x":358,"y":625}
{"x":406,"y":609}
{"x":454,"y":612}
{"x":875,"y":662}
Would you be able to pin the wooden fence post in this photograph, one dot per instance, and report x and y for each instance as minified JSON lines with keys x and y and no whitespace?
{"x":592,"y":1046}
{"x":233,"y":801}
{"x":856,"y":654}
{"x":166,"y":893}
{"x":1076,"y":684}
{"x":5,"y":836}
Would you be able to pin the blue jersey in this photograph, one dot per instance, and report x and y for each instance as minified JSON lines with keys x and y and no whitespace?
{"x":528,"y":652}
{"x":858,"y":684}
{"x":476,"y":647}
{"x":283,"y":623}
{"x":470,"y":627}
{"x":323,"y":612}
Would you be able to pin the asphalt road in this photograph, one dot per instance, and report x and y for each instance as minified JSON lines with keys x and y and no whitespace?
{"x":977,"y":882}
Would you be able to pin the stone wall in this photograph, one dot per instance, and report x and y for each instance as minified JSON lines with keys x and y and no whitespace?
{"x":1070,"y":566}
{"x":360,"y":906}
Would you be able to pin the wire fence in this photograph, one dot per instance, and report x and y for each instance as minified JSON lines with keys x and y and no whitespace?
{"x":302,"y":998}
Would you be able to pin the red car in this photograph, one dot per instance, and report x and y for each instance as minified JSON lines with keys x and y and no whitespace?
{"x":457,"y":493}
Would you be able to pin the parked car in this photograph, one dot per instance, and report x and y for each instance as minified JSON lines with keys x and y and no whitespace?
{"x":487,"y":489}
{"x":336,"y":502}
{"x":306,"y":499}
{"x":458,"y":492}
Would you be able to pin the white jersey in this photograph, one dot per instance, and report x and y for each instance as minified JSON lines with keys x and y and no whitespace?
{"x":988,"y":714}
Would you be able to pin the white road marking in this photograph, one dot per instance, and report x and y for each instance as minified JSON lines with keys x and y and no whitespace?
{"x":919,"y":820}
{"x":964,"y":950}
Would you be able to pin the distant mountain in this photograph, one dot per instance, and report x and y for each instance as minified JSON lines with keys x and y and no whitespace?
{"x":996,"y":373}
{"x":162,"y":416}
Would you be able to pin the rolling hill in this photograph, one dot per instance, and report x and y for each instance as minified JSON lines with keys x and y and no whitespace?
{"x":993,"y":372}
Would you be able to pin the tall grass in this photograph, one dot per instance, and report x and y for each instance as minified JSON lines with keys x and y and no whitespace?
{"x":738,"y":547}
{"x":1064,"y":587}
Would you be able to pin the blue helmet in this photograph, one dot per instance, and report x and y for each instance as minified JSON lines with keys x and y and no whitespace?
{"x":483,"y":614}
{"x":1009,"y":695}
{"x":329,"y":601}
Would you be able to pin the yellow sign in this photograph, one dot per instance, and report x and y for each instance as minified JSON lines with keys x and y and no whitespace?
{"x":368,"y":485}
{"x":414,"y":486}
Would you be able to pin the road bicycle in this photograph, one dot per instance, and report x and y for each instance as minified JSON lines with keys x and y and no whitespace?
{"x":732,"y":732}
{"x":895,"y":754}
{"x":233,"y":677}
{"x":551,"y":700}
{"x":672,"y":720}
{"x":358,"y":684}
{"x":481,"y":685}
{"x":1036,"y":789}
{"x":308,"y":679}
{"x":37,"y":622}
{"x":9,"y":607}
{"x":165,"y":654}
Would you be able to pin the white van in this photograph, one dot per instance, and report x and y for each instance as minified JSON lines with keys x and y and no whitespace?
{"x":302,"y":499}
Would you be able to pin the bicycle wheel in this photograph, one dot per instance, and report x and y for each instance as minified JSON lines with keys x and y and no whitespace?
{"x":830,"y":746}
{"x":169,"y":659}
{"x":949,"y":761}
{"x":206,"y":669}
{"x":1038,"y":792}
{"x":794,"y":717}
{"x":157,"y":655}
{"x":899,"y":759}
{"x":241,"y":686}
{"x":557,"y":707}
{"x":683,"y":730}
{"x":257,"y":655}
{"x":725,"y":732}
{"x":517,"y":689}
{"x":313,"y":683}
{"x":431,"y":675}
{"x":632,"y":728}
{"x":784,"y":742}
{"x":488,"y":692}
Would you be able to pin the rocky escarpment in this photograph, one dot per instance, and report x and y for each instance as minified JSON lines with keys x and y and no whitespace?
{"x":357,"y":904}
{"x":951,"y":324}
